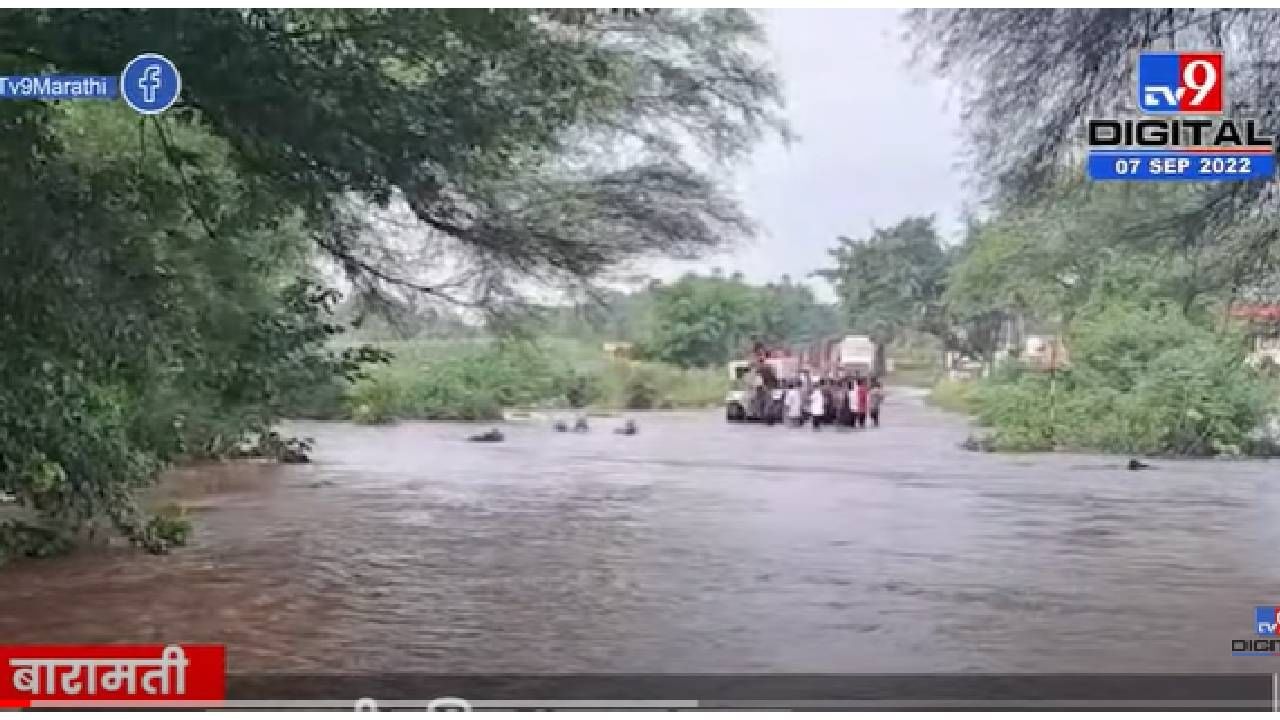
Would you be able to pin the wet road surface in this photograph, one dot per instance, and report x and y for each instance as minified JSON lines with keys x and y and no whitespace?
{"x":695,"y":546}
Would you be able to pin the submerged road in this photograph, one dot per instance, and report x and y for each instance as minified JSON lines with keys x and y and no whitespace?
{"x":695,"y":546}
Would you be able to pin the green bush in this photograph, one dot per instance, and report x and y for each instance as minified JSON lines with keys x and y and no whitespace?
{"x":1143,"y":380}
{"x":643,"y":385}
{"x":469,"y":383}
{"x":954,"y":395}
{"x":641,"y":391}
{"x":476,"y":380}
{"x":1021,"y":413}
{"x":322,"y":400}
{"x":579,"y":389}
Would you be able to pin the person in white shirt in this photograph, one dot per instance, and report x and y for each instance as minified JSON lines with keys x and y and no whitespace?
{"x":794,"y":404}
{"x":817,"y":405}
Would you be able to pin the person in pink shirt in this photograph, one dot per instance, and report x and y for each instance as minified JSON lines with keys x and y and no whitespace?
{"x":860,"y":394}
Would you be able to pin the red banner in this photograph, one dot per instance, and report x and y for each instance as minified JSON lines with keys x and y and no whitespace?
{"x":112,"y":675}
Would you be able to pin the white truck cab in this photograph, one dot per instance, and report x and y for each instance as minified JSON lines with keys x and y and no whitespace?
{"x":738,"y":405}
{"x":735,"y":402}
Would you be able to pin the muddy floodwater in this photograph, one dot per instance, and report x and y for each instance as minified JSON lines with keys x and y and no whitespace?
{"x":693,"y":546}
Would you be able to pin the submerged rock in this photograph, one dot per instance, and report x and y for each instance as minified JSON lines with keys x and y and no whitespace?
{"x":628,"y":428}
{"x":494,"y":435}
{"x":979,"y":444}
{"x":1136,"y":464}
{"x":581,"y":425}
{"x":561,"y":426}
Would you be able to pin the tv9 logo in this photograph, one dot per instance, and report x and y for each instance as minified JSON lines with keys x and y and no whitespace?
{"x":1180,"y":83}
{"x":1266,"y":619}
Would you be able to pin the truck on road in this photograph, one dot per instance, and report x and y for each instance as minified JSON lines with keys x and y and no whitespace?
{"x":839,"y":356}
{"x":856,"y":354}
{"x":759,"y":383}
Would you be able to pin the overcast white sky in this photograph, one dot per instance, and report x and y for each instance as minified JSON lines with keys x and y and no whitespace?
{"x":878,"y":141}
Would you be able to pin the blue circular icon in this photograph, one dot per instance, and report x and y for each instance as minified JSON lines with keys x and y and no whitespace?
{"x":150,"y":83}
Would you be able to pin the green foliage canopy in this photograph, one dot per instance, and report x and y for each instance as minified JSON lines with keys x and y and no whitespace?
{"x":890,"y":279}
{"x":133,"y":335}
{"x":1143,"y":380}
{"x":530,"y":146}
{"x":158,"y":297}
{"x":701,"y":321}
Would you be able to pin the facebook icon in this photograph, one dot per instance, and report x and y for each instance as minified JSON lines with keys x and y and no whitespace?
{"x":150,"y":83}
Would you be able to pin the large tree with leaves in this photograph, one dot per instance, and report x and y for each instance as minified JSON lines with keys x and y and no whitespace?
{"x":707,"y":320}
{"x":889,"y":280}
{"x":791,"y":313}
{"x":520,"y":146}
{"x":701,"y":321}
{"x":156,"y":283}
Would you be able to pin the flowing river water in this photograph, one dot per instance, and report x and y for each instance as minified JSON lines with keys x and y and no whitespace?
{"x":695,"y":546}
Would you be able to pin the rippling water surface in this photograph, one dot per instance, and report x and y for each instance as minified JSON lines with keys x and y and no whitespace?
{"x":693,"y":546}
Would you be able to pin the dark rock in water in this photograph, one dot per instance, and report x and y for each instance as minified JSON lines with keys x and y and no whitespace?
{"x":494,"y":435}
{"x":321,"y":484}
{"x":561,"y":426}
{"x":978,"y":444}
{"x":628,"y":428}
{"x":581,"y":425}
{"x":1136,"y":464}
{"x":293,"y":457}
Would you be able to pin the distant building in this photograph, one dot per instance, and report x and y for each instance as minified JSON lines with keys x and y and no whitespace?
{"x":1266,"y":351}
{"x":1037,"y":350}
{"x":1263,"y":324}
{"x":620,"y":350}
{"x":960,"y":367}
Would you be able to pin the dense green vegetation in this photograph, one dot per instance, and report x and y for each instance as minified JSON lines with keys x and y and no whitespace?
{"x":166,"y":281}
{"x":953,"y":395}
{"x":1139,"y":281}
{"x":891,"y":281}
{"x":1145,"y":380}
{"x":707,"y":321}
{"x":477,"y":380}
{"x":696,"y":320}
{"x":680,"y":337}
{"x":134,"y":332}
{"x":1155,"y":364}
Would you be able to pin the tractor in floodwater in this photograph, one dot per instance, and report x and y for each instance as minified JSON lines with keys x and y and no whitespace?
{"x":758,"y":393}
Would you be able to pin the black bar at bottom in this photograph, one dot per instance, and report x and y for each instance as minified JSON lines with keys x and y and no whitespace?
{"x":816,"y":692}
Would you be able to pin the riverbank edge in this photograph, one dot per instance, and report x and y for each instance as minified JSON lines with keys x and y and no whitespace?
{"x":952,"y":396}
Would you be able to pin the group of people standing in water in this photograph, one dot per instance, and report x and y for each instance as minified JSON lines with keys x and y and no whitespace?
{"x":848,"y":402}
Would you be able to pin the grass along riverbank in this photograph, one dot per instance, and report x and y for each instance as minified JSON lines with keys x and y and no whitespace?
{"x":953,"y":395}
{"x":478,"y":379}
